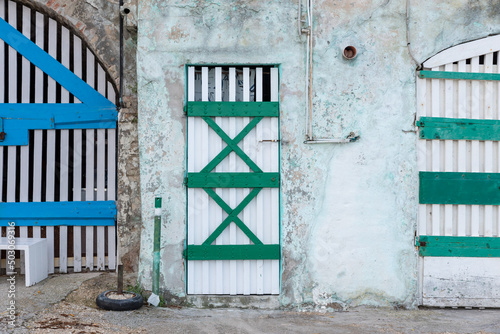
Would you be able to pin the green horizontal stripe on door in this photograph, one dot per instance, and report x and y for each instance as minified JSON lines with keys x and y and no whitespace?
{"x":233,"y":252}
{"x":233,"y":109}
{"x":458,"y":75}
{"x":459,"y":188}
{"x":458,"y":246}
{"x":458,"y":129}
{"x":233,"y":180}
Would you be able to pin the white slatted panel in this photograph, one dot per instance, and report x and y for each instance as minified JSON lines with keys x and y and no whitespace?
{"x":62,"y":154}
{"x":262,"y":214}
{"x":459,"y":99}
{"x":450,"y":281}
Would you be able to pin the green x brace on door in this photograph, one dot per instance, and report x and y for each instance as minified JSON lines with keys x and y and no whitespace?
{"x":233,"y":180}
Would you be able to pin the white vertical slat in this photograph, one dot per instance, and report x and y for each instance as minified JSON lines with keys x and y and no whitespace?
{"x":51,"y":87}
{"x":448,"y":226}
{"x":259,"y":205}
{"x":90,"y":62}
{"x":232,"y":192}
{"x":111,"y":93}
{"x":275,"y":276}
{"x":203,"y":152}
{"x":26,"y":65}
{"x":100,"y":196}
{"x":422,"y":150}
{"x":422,"y":106}
{"x":225,"y":193}
{"x":475,"y":149}
{"x":63,"y":191}
{"x":77,"y":162}
{"x":216,"y":213}
{"x":39,"y":40}
{"x":37,"y":175}
{"x":111,"y":192}
{"x":486,"y":224}
{"x":462,"y":147}
{"x":12,"y":98}
{"x":63,"y":230}
{"x":51,"y":143}
{"x":12,"y":56}
{"x":89,"y":187}
{"x":101,"y":80}
{"x":23,"y":191}
{"x":248,"y":144}
{"x":65,"y":60}
{"x":77,"y":196}
{"x":50,"y":188}
{"x":191,"y":198}
{"x":37,"y":158}
{"x":237,"y":195}
{"x":11,"y":173}
{"x":496,"y":223}
{"x":77,"y":60}
{"x":89,"y":196}
{"x":436,"y":151}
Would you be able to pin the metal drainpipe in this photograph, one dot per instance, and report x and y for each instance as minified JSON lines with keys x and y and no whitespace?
{"x":122,"y":13}
{"x":156,"y":247}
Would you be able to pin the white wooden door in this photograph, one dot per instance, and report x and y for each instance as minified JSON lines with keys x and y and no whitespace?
{"x":233,"y":180}
{"x":459,"y":160}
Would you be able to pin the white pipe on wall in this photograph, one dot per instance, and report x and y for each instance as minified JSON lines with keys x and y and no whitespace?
{"x":309,"y":80}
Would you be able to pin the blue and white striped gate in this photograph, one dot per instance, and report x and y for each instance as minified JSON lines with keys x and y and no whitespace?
{"x":57,"y":140}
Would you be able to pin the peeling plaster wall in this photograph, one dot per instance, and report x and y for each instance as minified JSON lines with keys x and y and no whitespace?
{"x":348,"y":210}
{"x":98,"y":23}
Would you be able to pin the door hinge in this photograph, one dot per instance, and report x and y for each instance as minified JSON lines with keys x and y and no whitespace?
{"x":185,"y":182}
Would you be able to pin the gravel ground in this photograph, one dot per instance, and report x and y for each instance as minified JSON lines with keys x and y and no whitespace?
{"x":66,"y":304}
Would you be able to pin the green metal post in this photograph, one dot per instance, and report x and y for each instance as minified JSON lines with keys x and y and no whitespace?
{"x":156,"y":247}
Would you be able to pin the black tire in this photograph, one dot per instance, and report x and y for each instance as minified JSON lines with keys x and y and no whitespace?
{"x":106,"y":303}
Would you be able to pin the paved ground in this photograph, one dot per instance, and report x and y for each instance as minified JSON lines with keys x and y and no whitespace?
{"x":65,"y":304}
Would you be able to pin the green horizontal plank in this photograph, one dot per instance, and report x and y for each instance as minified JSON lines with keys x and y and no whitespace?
{"x":233,"y":180}
{"x":233,"y":109}
{"x":459,"y":129}
{"x":233,"y":252}
{"x":458,"y":75}
{"x":459,"y":246}
{"x":459,"y":188}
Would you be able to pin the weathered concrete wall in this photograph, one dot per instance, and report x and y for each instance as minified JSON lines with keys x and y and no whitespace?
{"x":98,"y":23}
{"x":348,"y":210}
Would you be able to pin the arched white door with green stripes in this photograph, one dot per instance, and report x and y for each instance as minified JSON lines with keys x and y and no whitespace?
{"x":233,"y":180}
{"x":458,"y":93}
